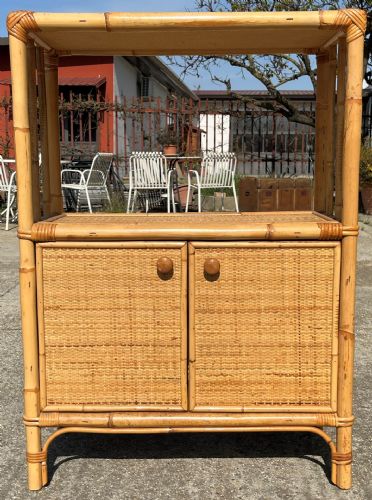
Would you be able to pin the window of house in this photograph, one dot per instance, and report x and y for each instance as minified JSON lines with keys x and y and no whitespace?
{"x":143,"y":86}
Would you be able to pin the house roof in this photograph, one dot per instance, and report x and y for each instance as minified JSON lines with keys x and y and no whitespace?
{"x":93,"y":81}
{"x":163,"y":33}
{"x":257,"y":94}
{"x":85,"y":81}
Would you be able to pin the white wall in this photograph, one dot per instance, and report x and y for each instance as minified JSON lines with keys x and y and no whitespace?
{"x":125,"y":84}
{"x":157,"y":89}
{"x":216,"y":135}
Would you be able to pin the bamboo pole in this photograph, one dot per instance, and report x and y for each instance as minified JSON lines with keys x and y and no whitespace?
{"x":52,"y":101}
{"x":43,"y":132}
{"x":330,"y":137}
{"x":182,"y":419}
{"x":324,"y":138}
{"x":32,"y":110}
{"x":341,"y":65}
{"x":18,"y":53}
{"x":350,"y":185}
{"x":320,"y":132}
{"x":123,"y":21}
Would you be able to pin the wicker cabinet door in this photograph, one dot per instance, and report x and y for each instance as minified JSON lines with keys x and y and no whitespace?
{"x":263,"y":326}
{"x":112,"y":326}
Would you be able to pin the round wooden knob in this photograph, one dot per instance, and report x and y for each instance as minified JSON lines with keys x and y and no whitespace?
{"x":211,"y":266}
{"x":165,"y":265}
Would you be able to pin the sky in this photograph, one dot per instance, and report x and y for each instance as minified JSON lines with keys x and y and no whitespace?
{"x":238,"y":81}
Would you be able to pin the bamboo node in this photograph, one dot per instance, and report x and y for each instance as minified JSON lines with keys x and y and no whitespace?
{"x":36,"y":458}
{"x":20,"y":22}
{"x":270,"y":232}
{"x":350,"y":230}
{"x":330,"y":231}
{"x":32,"y":422}
{"x":346,"y":334}
{"x":24,"y":235}
{"x":342,"y":458}
{"x":110,"y":420}
{"x":345,"y":421}
{"x":355,"y":20}
{"x":107,"y":21}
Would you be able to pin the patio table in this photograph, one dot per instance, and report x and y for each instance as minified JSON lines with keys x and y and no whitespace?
{"x":173,"y":160}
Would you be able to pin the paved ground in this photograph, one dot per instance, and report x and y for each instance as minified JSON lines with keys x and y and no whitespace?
{"x":235,"y":466}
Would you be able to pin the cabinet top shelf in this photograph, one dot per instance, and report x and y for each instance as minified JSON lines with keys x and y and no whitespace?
{"x":199,"y":226}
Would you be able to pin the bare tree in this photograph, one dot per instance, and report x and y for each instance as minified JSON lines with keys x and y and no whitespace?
{"x":273,"y":71}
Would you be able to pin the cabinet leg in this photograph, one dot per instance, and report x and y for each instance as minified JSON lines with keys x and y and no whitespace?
{"x":35,"y":458}
{"x":342,"y":459}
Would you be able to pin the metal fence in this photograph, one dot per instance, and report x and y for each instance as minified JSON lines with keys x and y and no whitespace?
{"x":265,"y":143}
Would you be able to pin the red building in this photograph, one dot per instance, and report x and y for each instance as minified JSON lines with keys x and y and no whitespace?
{"x":108,"y":79}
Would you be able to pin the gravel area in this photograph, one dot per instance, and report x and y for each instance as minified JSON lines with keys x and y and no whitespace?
{"x":176,"y":467}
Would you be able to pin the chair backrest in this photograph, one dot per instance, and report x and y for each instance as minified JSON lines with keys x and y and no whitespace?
{"x":218,"y":169}
{"x":4,"y":175}
{"x":148,"y":170}
{"x":100,"y":169}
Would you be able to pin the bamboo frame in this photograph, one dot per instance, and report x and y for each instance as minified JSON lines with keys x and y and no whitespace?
{"x":217,"y":227}
{"x":198,"y":32}
{"x":32,"y":111}
{"x":52,"y":97}
{"x":350,"y":189}
{"x":44,"y":148}
{"x":41,"y":458}
{"x":22,"y":137}
{"x":324,"y":133}
{"x":341,"y":73}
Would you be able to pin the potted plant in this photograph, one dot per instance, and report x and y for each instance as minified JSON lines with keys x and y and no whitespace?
{"x":366,"y":177}
{"x":168,"y":138}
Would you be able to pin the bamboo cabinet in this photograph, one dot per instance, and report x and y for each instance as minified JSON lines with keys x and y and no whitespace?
{"x":188,"y":322}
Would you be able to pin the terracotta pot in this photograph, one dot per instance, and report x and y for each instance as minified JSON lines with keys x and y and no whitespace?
{"x":180,"y":194}
{"x":366,"y":192}
{"x":170,"y":150}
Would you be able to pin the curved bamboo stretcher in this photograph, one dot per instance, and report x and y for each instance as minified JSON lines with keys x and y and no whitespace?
{"x":328,"y":237}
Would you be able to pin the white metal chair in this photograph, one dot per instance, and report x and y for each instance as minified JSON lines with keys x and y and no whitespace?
{"x":9,"y":187}
{"x":148,"y":172}
{"x":217,"y":171}
{"x":90,"y":184}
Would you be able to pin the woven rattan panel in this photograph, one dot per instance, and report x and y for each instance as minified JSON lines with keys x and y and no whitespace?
{"x":265,"y":329}
{"x":112,"y":327}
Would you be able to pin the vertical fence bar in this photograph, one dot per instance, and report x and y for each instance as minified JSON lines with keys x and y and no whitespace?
{"x":72,"y":138}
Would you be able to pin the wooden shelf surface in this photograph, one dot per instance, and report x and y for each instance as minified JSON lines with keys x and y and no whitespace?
{"x":191,"y":226}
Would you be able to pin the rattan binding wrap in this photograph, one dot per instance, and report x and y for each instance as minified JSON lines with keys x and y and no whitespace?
{"x":20,"y":22}
{"x":120,"y":348}
{"x":355,"y":19}
{"x":265,"y":331}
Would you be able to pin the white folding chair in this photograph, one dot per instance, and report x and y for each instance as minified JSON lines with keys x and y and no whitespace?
{"x":217,"y":172}
{"x":148,"y":172}
{"x":9,"y":187}
{"x":91,"y":184}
